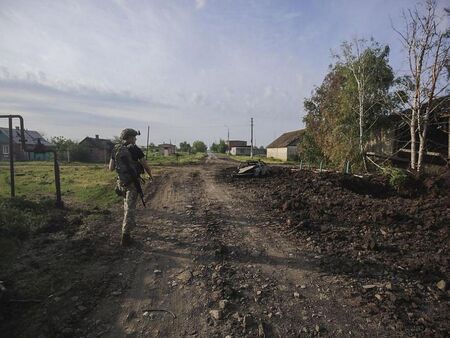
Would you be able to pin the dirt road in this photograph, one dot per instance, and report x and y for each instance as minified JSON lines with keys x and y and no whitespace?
{"x":206,"y":264}
{"x":209,"y":260}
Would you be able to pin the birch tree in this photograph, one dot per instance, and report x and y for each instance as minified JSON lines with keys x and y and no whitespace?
{"x":367,"y":63}
{"x":425,"y":38}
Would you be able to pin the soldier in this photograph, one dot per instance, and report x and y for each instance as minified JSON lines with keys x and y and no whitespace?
{"x":129,"y":162}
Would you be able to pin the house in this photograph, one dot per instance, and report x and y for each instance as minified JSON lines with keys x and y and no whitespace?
{"x":32,"y":138}
{"x":235,"y":143}
{"x":240,"y":150}
{"x":99,"y":149}
{"x":166,"y":149}
{"x":393,"y":139}
{"x":245,"y":151}
{"x":285,"y":146}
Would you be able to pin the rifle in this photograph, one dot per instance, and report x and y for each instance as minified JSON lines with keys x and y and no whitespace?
{"x":134,"y":178}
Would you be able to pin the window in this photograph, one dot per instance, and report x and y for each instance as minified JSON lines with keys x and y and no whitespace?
{"x":6,"y":150}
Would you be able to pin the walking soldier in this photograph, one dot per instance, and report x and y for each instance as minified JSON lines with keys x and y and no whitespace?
{"x":129,"y":162}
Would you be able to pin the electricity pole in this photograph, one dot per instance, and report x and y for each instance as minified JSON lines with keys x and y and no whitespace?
{"x":228,"y":140}
{"x":148,"y":135}
{"x":251,"y":138}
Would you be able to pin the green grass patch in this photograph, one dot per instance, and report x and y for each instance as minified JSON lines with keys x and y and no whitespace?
{"x":81,"y":183}
{"x":156,"y":159}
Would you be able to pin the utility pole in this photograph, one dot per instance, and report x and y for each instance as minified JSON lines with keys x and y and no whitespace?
{"x":148,"y":135}
{"x":228,"y":140}
{"x":251,"y":138}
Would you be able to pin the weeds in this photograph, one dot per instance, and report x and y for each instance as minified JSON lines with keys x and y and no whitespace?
{"x":398,"y":178}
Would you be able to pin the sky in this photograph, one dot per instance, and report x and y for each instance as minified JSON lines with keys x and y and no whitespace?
{"x":189,"y":69}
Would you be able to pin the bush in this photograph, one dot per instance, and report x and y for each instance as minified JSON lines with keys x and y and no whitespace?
{"x":398,"y":178}
{"x":199,"y":147}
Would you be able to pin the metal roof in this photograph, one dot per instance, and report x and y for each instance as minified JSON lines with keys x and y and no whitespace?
{"x":31,"y":136}
{"x":287,"y":139}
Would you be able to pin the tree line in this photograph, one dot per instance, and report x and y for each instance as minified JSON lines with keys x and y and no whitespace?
{"x":360,"y":91}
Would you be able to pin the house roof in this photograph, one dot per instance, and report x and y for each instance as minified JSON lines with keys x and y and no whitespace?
{"x":287,"y":139}
{"x":97,"y":142}
{"x":31,"y":137}
{"x":166,"y":145}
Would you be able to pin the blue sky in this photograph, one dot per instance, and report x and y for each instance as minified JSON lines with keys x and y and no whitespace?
{"x":188,"y":68}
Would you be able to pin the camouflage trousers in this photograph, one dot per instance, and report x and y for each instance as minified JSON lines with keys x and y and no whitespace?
{"x":129,"y":209}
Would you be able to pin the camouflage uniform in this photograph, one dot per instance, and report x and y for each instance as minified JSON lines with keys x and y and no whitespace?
{"x":129,"y":209}
{"x":125,"y":186}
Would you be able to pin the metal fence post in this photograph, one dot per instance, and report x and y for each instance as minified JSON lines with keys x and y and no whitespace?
{"x":59,"y":202}
{"x":11,"y":158}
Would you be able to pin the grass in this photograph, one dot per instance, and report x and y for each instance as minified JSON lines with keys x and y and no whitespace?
{"x":80,"y":183}
{"x":156,"y":159}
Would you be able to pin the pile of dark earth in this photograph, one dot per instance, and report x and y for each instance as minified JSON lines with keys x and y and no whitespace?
{"x":392,"y":246}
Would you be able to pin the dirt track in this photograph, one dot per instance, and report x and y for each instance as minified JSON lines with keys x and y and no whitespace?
{"x":199,"y":248}
{"x":208,"y":261}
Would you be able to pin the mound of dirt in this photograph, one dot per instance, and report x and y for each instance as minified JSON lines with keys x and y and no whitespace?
{"x":364,"y":229}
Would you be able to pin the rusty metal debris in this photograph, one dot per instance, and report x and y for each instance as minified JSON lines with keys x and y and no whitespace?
{"x":252,"y":169}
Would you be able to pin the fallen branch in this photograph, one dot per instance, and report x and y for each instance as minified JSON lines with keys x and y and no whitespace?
{"x":160,"y":310}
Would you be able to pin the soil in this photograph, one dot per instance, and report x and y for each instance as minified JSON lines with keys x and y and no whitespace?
{"x":296,"y":254}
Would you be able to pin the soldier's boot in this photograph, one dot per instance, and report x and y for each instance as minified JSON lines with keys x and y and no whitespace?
{"x":126,"y":240}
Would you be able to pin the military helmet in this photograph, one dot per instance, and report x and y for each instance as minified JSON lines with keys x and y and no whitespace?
{"x":127,"y":133}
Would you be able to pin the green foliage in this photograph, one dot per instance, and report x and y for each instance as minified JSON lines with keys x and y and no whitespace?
{"x":62,"y":144}
{"x":155,"y":159}
{"x":78,"y":153}
{"x":309,"y":150}
{"x":199,"y":147}
{"x":334,"y":108}
{"x":398,"y":178}
{"x":220,"y":147}
{"x":185,"y":147}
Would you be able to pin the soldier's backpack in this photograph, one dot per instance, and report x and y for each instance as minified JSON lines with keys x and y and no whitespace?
{"x":126,"y":166}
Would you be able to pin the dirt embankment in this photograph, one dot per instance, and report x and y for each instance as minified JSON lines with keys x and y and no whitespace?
{"x":393,"y":249}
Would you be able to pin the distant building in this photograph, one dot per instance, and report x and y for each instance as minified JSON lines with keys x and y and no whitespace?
{"x":285,"y":146}
{"x":235,"y":143}
{"x":166,"y":149}
{"x":245,"y":151}
{"x":32,"y":138}
{"x":99,"y":149}
{"x":240,"y":151}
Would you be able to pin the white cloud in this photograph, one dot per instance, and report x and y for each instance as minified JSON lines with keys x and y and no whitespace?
{"x":199,"y":4}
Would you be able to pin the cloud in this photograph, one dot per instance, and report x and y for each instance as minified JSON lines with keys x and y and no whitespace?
{"x":199,"y":4}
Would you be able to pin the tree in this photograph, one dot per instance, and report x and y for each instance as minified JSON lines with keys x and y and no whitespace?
{"x":199,"y":147}
{"x":62,"y":144}
{"x":214,"y":148}
{"x":222,"y":147}
{"x":185,"y":147}
{"x":427,"y":47}
{"x":343,"y":110}
{"x":367,"y":64}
